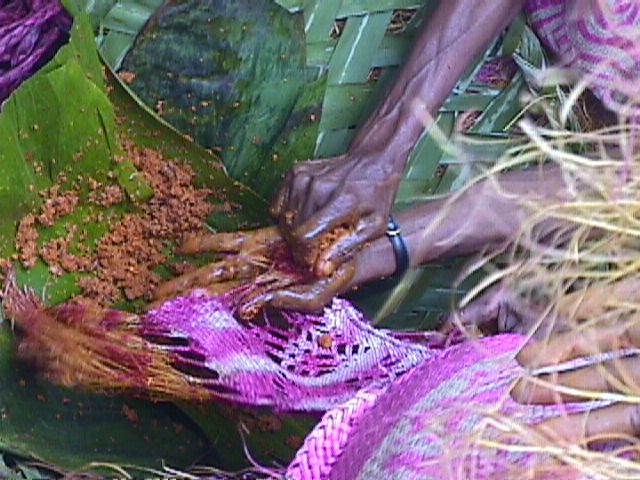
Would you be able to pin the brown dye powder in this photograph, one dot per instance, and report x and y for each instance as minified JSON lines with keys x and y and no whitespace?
{"x":27,"y":241}
{"x":124,"y":261}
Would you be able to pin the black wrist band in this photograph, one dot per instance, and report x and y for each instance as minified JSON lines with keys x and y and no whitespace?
{"x":400,"y":251}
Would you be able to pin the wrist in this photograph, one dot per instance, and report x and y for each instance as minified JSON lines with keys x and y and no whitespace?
{"x":379,"y":259}
{"x":373,"y":262}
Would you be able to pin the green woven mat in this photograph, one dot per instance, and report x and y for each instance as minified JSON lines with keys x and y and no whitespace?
{"x":366,"y":42}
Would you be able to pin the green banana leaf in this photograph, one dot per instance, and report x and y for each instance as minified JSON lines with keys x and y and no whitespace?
{"x":229,"y":72}
{"x":45,"y":132}
{"x":67,"y":120}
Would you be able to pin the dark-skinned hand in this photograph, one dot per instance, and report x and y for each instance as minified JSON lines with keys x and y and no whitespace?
{"x":608,"y":367}
{"x":347,"y":192}
{"x":259,"y":261}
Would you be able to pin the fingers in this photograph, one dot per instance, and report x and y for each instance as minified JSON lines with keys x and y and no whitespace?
{"x":497,"y":310}
{"x":249,"y":303}
{"x":213,"y":242}
{"x":612,"y":422}
{"x":214,"y":290}
{"x":343,"y":211}
{"x":615,"y":376}
{"x":348,"y":243}
{"x":307,"y":240}
{"x":308,"y":195}
{"x":579,"y":343}
{"x":312,"y":298}
{"x":482,"y":312}
{"x":232,"y":242}
{"x":297,"y":192}
{"x":204,"y":277}
{"x":298,"y":188}
{"x":279,"y":205}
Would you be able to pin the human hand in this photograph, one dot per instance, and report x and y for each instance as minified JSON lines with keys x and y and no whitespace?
{"x":322,"y":198}
{"x":602,"y":366}
{"x":574,"y":331}
{"x":259,"y":267}
{"x":604,"y":333}
{"x":498,"y":310}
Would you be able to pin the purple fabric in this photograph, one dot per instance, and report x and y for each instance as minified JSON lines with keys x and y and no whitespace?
{"x":31,"y":32}
{"x":600,"y":39}
{"x":396,"y":409}
{"x":296,"y":362}
{"x":426,"y":425}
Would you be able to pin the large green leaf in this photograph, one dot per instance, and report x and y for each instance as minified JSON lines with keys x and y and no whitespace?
{"x":229,"y":73}
{"x":62,"y":121}
{"x":45,"y":132}
{"x":148,"y":130}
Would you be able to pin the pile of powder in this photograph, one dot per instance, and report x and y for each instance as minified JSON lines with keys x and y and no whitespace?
{"x":122,"y":265}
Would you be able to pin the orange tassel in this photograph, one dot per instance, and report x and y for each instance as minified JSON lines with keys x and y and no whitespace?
{"x":99,"y":350}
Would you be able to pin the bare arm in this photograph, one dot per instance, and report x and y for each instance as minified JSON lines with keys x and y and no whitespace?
{"x":357,"y":190}
{"x":457,"y":33}
{"x":485,"y":216}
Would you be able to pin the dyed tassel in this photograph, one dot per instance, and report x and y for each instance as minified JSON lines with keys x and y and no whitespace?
{"x":99,"y":350}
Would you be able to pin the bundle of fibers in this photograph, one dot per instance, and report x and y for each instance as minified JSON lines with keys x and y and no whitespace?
{"x":31,"y":32}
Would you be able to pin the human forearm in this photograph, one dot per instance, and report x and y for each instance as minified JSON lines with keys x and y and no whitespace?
{"x":451,"y":40}
{"x":485,"y":216}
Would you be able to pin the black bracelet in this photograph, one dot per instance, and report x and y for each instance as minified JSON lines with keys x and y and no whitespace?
{"x":400,"y":251}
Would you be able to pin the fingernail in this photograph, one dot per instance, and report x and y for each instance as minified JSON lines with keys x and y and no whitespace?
{"x":289,"y":217}
{"x":325,"y":268}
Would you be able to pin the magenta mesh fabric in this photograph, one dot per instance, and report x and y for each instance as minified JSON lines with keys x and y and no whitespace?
{"x":599,"y":39}
{"x":396,"y":409}
{"x":296,"y":362}
{"x":425,"y":425}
